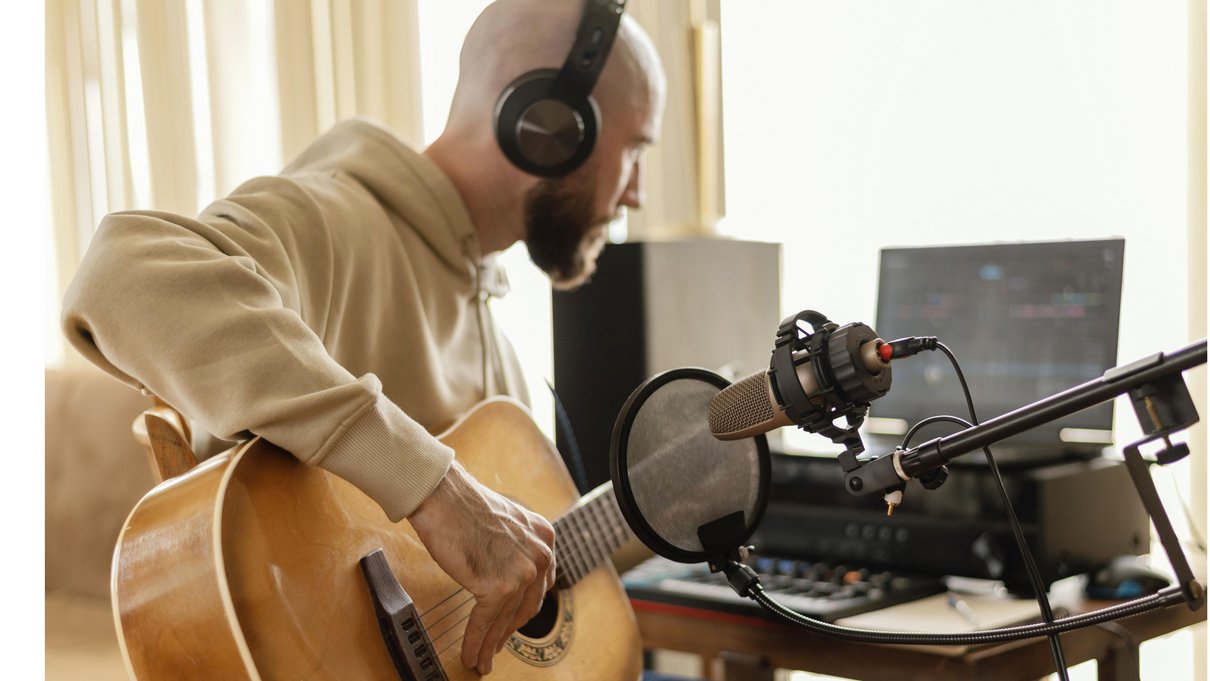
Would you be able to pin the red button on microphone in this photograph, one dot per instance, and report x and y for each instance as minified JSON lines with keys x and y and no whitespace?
{"x":884,"y":352}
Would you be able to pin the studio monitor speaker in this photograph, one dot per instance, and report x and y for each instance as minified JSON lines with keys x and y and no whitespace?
{"x":655,"y":306}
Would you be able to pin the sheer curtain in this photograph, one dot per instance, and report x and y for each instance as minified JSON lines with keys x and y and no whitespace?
{"x":168,"y":104}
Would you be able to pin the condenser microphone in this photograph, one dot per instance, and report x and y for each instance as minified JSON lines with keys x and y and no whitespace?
{"x":814,"y":378}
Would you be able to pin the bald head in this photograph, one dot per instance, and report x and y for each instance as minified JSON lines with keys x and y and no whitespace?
{"x":562,"y":219}
{"x":512,"y":37}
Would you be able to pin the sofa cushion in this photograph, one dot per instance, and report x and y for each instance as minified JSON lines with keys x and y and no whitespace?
{"x":95,"y":473}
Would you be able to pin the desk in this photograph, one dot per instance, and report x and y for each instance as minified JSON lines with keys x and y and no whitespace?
{"x":750,"y":648}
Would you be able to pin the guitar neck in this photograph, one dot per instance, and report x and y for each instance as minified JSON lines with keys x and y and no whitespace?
{"x":588,"y":534}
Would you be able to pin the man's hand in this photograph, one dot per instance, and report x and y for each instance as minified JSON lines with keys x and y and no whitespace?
{"x":499,"y":552}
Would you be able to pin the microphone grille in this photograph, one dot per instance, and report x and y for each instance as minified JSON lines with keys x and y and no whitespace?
{"x":741,"y":405}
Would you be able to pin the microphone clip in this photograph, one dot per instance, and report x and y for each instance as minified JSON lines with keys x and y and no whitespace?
{"x":839,"y":385}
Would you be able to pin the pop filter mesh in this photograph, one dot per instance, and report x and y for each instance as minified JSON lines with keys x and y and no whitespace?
{"x":680,"y":475}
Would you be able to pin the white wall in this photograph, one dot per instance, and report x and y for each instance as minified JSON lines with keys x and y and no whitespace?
{"x":852,"y":126}
{"x":858,"y":125}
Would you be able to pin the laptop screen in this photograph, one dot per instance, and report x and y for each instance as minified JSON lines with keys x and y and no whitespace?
{"x":1026,"y":321}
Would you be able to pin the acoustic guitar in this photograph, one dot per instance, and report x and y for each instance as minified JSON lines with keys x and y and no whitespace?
{"x":253,"y":565}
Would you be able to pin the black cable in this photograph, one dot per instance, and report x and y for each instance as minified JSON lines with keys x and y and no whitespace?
{"x":1031,"y":567}
{"x":1165,"y":597}
{"x":907,"y":437}
{"x":1044,"y":604}
{"x":572,"y":457}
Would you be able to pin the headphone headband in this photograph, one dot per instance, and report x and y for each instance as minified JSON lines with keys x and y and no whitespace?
{"x":546,"y":121}
{"x":594,"y":38}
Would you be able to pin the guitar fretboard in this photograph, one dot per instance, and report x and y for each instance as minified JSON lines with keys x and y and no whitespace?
{"x":588,"y":534}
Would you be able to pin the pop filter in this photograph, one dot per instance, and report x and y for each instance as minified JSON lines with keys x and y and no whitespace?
{"x":687,"y":495}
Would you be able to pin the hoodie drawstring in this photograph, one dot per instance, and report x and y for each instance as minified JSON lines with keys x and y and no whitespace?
{"x":495,"y":378}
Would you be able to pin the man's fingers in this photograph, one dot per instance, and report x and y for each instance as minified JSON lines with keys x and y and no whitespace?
{"x":544,"y":530}
{"x":500,"y":552}
{"x":541,"y":547}
{"x":530,"y":603}
{"x":499,"y":630}
{"x":546,"y":533}
{"x":552,"y":570}
{"x":477,"y":626}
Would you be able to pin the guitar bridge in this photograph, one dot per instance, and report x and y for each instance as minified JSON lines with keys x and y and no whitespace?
{"x":406,"y":640}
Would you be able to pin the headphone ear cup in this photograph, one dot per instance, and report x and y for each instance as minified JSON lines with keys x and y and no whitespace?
{"x":543,"y":131}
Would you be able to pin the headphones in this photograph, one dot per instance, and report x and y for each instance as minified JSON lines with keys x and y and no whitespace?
{"x":546,"y":121}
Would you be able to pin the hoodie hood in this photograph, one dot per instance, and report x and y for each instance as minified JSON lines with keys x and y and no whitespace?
{"x":410,"y":185}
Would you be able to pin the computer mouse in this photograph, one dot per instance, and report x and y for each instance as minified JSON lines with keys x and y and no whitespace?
{"x":1125,"y":577}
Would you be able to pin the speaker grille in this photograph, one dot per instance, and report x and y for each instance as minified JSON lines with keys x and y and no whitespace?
{"x":741,"y":405}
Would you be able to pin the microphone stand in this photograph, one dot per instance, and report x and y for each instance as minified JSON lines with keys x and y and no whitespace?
{"x":1161,"y":402}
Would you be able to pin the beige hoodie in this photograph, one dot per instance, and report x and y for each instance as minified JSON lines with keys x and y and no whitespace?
{"x":338,"y":310}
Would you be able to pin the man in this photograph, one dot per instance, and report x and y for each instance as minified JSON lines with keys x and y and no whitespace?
{"x":339,"y":310}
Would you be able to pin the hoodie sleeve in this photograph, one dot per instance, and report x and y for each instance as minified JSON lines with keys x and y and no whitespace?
{"x":212,"y":316}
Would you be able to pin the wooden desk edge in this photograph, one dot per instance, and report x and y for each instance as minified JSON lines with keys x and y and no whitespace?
{"x":709,"y":633}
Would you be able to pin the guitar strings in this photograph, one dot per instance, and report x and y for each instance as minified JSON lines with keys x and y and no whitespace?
{"x":444,"y":661}
{"x":438,"y":604}
{"x":454,"y":641}
{"x":572,"y":552}
{"x":571,"y":556}
{"x":447,"y":647}
{"x":430,"y":625}
{"x":443,"y":601}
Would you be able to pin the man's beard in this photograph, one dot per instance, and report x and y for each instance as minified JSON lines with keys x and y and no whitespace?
{"x":561,"y":232}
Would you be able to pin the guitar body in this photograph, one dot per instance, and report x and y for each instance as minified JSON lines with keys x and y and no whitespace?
{"x":247,"y":567}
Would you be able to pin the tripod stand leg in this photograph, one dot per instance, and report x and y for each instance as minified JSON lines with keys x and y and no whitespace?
{"x":1195,"y":596}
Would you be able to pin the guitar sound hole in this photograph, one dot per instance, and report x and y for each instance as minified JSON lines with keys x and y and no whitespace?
{"x":544,"y":622}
